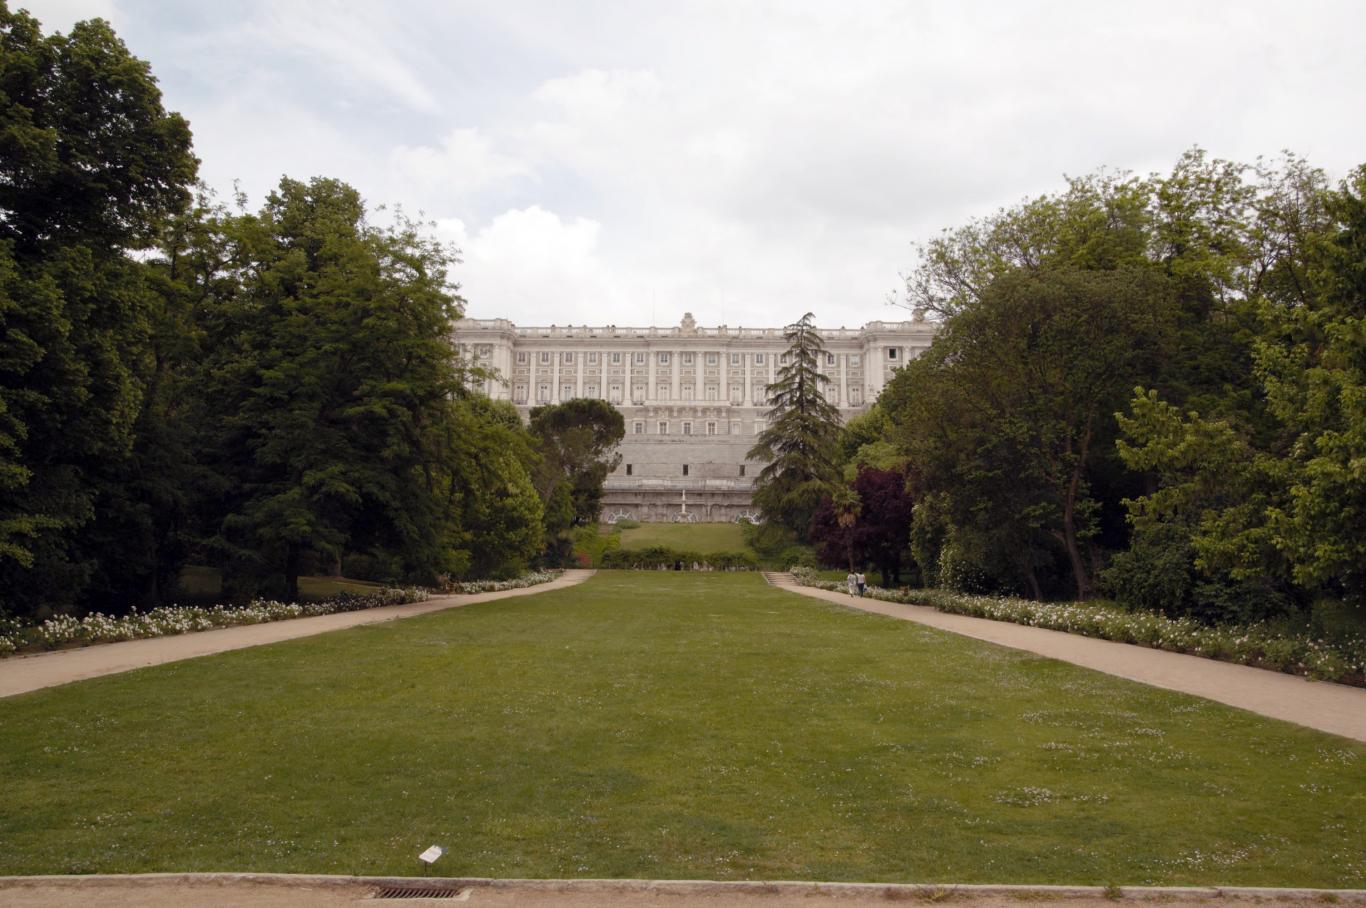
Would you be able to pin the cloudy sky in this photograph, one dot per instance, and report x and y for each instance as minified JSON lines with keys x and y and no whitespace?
{"x":622,"y":162}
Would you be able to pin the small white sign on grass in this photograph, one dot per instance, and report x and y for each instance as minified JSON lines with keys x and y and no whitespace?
{"x":431,"y":854}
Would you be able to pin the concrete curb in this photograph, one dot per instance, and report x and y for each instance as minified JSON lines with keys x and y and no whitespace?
{"x":890,"y":891}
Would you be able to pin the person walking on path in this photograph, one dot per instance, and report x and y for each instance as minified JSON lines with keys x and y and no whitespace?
{"x":851,"y":582}
{"x":861,"y":581}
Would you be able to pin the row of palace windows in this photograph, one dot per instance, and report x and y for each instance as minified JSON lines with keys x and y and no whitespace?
{"x":702,"y":427}
{"x":665,"y":392}
{"x":630,"y":470}
{"x":688,"y":359}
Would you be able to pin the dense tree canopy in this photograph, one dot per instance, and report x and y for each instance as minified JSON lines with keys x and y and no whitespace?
{"x":91,"y":166}
{"x":260,"y":392}
{"x":1228,"y":484}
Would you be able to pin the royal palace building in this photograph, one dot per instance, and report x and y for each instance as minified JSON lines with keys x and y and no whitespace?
{"x":693,"y":398}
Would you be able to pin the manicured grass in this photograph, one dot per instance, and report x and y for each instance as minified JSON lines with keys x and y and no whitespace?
{"x":671,"y":726}
{"x":686,"y":537}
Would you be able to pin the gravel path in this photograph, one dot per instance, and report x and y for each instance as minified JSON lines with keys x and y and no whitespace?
{"x":1334,"y":708}
{"x":20,"y":674}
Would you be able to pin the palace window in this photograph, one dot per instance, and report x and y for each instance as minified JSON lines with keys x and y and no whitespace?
{"x":711,"y":427}
{"x":711,"y":359}
{"x":735,"y":427}
{"x":712,"y":392}
{"x":758,"y":426}
{"x":590,"y":390}
{"x":638,"y":427}
{"x":519,"y":394}
{"x":592,"y":359}
{"x":640,"y":359}
{"x":663,"y":392}
{"x":616,"y":394}
{"x":566,"y":392}
{"x":742,"y":471}
{"x":663,"y":427}
{"x":735,"y":359}
{"x":545,"y":357}
{"x":521,"y":357}
{"x":637,"y":394}
{"x":543,"y":393}
{"x":758,"y":359}
{"x":829,"y":359}
{"x":685,"y":466}
{"x":687,"y":393}
{"x":663,"y":359}
{"x":628,"y":469}
{"x":737,"y":394}
{"x":687,"y":359}
{"x":853,"y":359}
{"x":891,"y":352}
{"x":855,"y":397}
{"x":687,"y":428}
{"x":568,"y":357}
{"x":616,"y":359}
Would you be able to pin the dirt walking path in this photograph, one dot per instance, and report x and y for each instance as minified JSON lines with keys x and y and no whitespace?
{"x":1334,"y":708}
{"x":20,"y":674}
{"x":286,"y":891}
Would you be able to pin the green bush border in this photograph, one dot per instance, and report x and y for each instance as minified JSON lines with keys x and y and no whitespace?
{"x":662,"y":558}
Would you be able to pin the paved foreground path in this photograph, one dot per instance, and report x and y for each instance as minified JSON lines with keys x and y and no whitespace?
{"x":1334,"y":708}
{"x":20,"y":674}
{"x":234,"y":890}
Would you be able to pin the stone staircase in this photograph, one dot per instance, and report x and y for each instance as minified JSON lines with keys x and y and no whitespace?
{"x":779,"y":578}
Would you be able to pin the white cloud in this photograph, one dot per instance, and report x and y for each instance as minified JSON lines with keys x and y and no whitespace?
{"x":745,"y":161}
{"x":531,"y":265}
{"x":464,"y":163}
{"x":60,"y":15}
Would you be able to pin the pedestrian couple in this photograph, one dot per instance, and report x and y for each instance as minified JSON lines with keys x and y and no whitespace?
{"x":856,"y":583}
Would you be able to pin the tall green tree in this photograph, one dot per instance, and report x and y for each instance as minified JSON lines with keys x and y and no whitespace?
{"x":1010,"y":412}
{"x":799,"y":446}
{"x":92,"y":167}
{"x":1258,"y":507}
{"x":330,"y":377}
{"x":490,"y":489}
{"x":577,"y":441}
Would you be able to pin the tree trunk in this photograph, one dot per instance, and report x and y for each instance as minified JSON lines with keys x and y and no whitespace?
{"x":292,"y":573}
{"x":1069,"y":518}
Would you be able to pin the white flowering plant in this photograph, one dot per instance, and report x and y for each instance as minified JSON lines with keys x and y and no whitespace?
{"x":1259,"y":645}
{"x":67,"y":630}
{"x":497,"y":586}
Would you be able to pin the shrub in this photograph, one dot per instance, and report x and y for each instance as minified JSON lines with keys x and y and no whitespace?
{"x":658,"y":557}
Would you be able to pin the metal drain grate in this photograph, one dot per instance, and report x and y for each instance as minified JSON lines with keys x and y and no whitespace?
{"x":418,"y":892}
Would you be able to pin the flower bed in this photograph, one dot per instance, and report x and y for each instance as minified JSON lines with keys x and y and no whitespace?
{"x":497,"y":586}
{"x":1253,"y":644}
{"x":66,"y":630}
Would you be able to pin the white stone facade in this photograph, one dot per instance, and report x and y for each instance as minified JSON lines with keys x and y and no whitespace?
{"x":693,"y":398}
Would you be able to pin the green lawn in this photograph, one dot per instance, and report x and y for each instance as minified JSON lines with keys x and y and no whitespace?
{"x":688,"y":537}
{"x":670,"y":726}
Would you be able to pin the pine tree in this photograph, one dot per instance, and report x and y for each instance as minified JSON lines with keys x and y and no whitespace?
{"x":799,"y":446}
